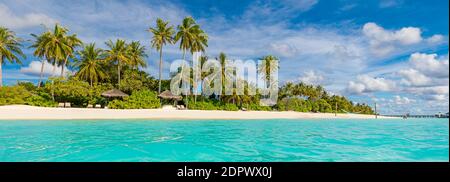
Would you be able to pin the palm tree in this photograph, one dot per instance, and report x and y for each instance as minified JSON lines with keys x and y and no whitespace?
{"x":268,"y":66}
{"x":186,"y":34}
{"x":9,"y":49}
{"x":137,"y":55}
{"x":118,"y":52}
{"x":52,"y":45}
{"x":203,"y":60}
{"x":162,"y":34}
{"x":89,"y":64}
{"x":225,"y":74}
{"x":41,"y":51}
{"x":73,"y":42}
{"x":199,"y":43}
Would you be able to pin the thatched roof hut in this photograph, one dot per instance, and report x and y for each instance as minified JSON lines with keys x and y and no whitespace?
{"x":114,"y":93}
{"x":168,"y":95}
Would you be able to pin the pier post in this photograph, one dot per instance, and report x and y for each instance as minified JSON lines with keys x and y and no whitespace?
{"x":335,"y":109}
{"x":376,"y":114}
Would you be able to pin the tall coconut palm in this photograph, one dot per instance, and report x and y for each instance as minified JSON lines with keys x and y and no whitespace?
{"x":186,"y":34}
{"x":226,"y":75}
{"x":9,"y":49}
{"x":137,"y":55}
{"x":41,"y":51}
{"x":52,"y":45}
{"x":203,"y":60}
{"x":268,"y":66}
{"x":199,"y":43}
{"x":73,"y":42}
{"x":118,"y":53}
{"x":89,"y":64}
{"x":162,"y":34}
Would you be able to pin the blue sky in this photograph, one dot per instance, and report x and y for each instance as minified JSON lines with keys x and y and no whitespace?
{"x":393,"y":52}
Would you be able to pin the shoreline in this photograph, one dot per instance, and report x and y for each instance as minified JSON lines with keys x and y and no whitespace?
{"x":25,"y":112}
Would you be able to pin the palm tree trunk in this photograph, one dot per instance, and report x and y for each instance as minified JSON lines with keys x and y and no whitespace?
{"x":40,"y":76}
{"x":1,"y":73}
{"x":187,"y":95}
{"x":118,"y":73}
{"x":64,"y":65}
{"x":160,"y":70}
{"x":194,"y":83}
{"x":54,"y":69}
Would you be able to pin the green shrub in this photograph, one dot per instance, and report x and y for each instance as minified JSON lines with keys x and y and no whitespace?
{"x":117,"y":104}
{"x":143,"y":99}
{"x":229,"y":107}
{"x":42,"y":101}
{"x":13,"y":95}
{"x":75,"y":91}
{"x":27,"y":85}
{"x":257,"y":107}
{"x":323,"y":106}
{"x":202,"y":106}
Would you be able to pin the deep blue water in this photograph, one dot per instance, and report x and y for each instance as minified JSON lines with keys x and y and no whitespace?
{"x":225,"y":140}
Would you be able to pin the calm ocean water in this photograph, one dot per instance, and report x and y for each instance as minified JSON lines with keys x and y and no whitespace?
{"x":234,"y":140}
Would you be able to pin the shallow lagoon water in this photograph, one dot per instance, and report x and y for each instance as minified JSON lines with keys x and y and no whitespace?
{"x":225,"y":140}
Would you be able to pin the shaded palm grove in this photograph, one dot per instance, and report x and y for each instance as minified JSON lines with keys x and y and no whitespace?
{"x":120,"y":65}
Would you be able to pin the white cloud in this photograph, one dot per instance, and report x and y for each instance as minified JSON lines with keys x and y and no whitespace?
{"x":10,"y":20}
{"x":276,"y":10}
{"x":34,"y":68}
{"x":383,"y":42}
{"x":434,"y":90}
{"x":413,"y":77}
{"x":389,"y":3}
{"x":312,"y":77}
{"x":300,"y":5}
{"x":367,"y":84}
{"x":430,"y":65}
{"x":435,"y":39}
{"x":439,"y":98}
{"x":399,"y":100}
{"x":348,"y":7}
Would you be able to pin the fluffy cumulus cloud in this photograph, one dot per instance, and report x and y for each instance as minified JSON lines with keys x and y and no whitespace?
{"x":422,"y":80}
{"x":399,"y":100}
{"x":427,"y":76}
{"x":384,"y":42}
{"x":14,"y":21}
{"x":430,"y":64}
{"x":436,"y":39}
{"x":412,"y":77}
{"x":312,"y":77}
{"x":368,"y":84}
{"x":435,"y":93}
{"x":34,"y":69}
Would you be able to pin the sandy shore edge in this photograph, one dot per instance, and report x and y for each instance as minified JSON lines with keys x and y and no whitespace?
{"x":23,"y":112}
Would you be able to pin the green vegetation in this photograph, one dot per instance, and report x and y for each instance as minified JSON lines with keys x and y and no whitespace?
{"x":308,"y":98}
{"x":97,"y":70}
{"x":144,"y":99}
{"x":213,"y":105}
{"x":9,"y":49}
{"x":14,"y":95}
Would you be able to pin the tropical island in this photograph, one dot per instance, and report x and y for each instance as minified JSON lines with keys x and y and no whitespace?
{"x":119,"y":68}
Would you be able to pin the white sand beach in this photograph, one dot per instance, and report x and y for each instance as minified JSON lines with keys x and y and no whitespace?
{"x":19,"y":112}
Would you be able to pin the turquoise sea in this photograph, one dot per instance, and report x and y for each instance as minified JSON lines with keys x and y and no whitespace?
{"x":225,"y":140}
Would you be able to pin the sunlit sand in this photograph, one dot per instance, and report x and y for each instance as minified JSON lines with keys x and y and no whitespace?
{"x":18,"y":112}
